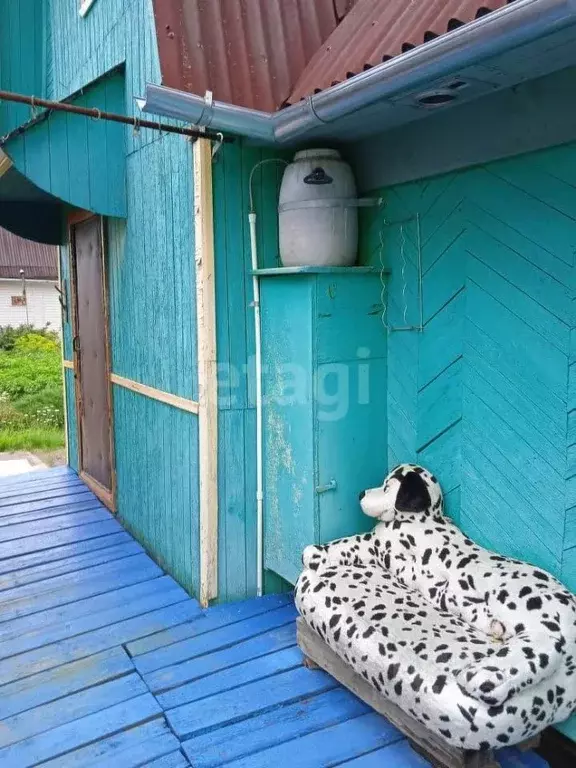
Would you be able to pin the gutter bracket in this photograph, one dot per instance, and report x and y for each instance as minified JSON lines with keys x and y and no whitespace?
{"x":312,"y":109}
{"x":207,"y":110}
{"x":217,"y":146}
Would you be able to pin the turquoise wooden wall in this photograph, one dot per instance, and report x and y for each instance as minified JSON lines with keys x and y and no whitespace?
{"x":150,"y":270}
{"x":23,"y":35}
{"x":235,"y":351}
{"x":151,"y":279}
{"x":49,"y":50}
{"x":80,"y":161}
{"x":485,"y":395}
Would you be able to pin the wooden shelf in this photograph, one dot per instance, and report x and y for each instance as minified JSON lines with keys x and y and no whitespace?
{"x":284,"y":271}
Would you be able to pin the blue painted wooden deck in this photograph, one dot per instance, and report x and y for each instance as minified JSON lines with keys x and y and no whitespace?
{"x":106,"y":661}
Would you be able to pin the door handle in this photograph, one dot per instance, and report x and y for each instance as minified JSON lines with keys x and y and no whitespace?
{"x":331,"y":486}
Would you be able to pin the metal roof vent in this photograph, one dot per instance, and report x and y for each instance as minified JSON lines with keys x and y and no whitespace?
{"x":441,"y":96}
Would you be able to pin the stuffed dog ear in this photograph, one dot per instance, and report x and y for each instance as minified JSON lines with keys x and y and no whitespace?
{"x":413,"y":494}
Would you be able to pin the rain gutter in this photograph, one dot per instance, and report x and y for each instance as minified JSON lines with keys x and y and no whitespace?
{"x":522,"y":22}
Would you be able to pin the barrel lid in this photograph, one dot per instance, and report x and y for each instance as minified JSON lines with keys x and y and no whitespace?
{"x":313,"y":154}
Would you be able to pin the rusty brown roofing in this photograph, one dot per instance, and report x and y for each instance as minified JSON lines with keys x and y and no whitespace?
{"x":264,"y":54}
{"x":377,"y":30}
{"x":247,"y":52}
{"x":39,"y":262}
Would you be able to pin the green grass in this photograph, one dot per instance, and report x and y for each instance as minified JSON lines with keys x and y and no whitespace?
{"x":31,"y":439}
{"x":31,"y":394}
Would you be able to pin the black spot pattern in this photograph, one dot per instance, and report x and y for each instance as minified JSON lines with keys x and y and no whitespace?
{"x":478,"y":647}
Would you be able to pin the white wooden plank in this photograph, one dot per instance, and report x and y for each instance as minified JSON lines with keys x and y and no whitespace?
{"x":207,"y":370}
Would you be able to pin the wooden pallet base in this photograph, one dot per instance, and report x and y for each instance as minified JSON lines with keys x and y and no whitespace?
{"x":441,"y":754}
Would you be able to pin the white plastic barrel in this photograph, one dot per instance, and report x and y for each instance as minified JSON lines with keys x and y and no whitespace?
{"x":318,"y":217}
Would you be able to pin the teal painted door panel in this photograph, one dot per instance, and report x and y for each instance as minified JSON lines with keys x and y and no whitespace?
{"x":352,"y":451}
{"x":288,"y":418}
{"x":324,"y":353}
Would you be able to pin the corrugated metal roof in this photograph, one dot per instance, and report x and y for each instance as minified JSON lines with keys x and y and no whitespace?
{"x":247,"y":52}
{"x":39,"y":262}
{"x":377,"y":30}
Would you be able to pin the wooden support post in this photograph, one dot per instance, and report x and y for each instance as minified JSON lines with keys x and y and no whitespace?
{"x":207,"y":373}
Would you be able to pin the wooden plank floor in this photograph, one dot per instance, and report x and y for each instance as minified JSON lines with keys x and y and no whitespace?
{"x":106,"y":661}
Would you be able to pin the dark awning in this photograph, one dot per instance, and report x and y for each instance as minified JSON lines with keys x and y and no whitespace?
{"x":28,"y":211}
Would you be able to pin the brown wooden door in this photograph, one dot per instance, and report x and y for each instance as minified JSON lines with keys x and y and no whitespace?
{"x":92,"y":357}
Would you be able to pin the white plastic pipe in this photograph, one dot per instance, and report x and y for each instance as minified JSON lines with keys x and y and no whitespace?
{"x":258,"y":373}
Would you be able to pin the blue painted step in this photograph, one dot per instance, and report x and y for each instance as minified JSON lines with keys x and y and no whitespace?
{"x":57,"y":683}
{"x":219,"y":616}
{"x":58,"y":554}
{"x":71,"y":564}
{"x":75,"y":648}
{"x":180,"y":680}
{"x":141,"y":745}
{"x":330,"y":746}
{"x":74,"y":707}
{"x":237,"y":740}
{"x":209,"y":642}
{"x":65,"y":738}
{"x":84,"y":616}
{"x":262,"y":668}
{"x":73,"y":535}
{"x":251,"y":699}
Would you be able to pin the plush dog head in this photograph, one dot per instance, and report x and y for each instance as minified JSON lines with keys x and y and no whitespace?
{"x":408,"y":491}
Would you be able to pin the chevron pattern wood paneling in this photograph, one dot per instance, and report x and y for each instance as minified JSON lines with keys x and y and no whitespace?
{"x":486,"y":395}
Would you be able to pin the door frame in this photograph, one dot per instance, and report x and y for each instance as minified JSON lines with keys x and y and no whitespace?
{"x":106,"y":496}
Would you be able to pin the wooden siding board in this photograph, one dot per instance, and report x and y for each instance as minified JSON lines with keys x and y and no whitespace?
{"x":522,"y":305}
{"x":22,"y":62}
{"x":152,"y":312}
{"x":235,"y":351}
{"x":152,"y":267}
{"x":500,"y":240}
{"x":72,"y":425}
{"x":235,"y":555}
{"x":512,"y":426}
{"x":547,"y":365}
{"x":78,"y":160}
{"x":157,"y":487}
{"x":250,"y":543}
{"x":554,"y":232}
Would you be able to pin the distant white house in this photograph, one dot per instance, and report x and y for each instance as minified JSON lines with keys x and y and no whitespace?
{"x":28,"y":276}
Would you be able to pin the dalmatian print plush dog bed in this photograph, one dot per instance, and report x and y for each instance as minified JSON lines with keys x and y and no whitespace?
{"x":479,"y":648}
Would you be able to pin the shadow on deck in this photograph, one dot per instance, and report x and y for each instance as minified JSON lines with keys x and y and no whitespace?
{"x":106,"y":661}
